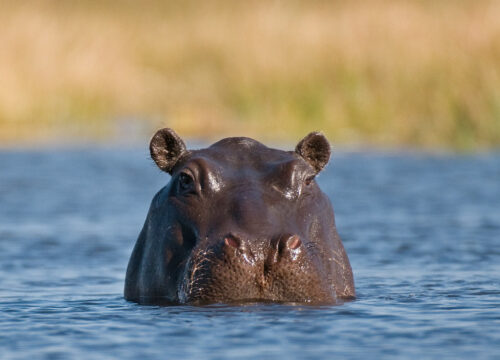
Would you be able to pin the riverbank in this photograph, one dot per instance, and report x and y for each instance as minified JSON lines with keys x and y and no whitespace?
{"x":384,"y":73}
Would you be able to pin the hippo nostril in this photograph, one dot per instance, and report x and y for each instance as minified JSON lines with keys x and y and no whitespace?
{"x":293,"y":242}
{"x":232,"y":241}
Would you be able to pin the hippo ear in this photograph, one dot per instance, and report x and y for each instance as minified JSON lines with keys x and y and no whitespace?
{"x":166,"y":148}
{"x":314,"y":149}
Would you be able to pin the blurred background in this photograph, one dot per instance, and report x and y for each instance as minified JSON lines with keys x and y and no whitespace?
{"x":407,"y":91}
{"x":422,"y":74}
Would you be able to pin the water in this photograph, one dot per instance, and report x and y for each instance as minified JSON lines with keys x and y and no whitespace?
{"x":422,"y":232}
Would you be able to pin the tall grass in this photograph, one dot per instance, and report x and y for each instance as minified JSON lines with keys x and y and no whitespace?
{"x":387,"y":73}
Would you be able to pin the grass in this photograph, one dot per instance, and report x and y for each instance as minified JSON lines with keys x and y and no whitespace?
{"x":382,"y":73}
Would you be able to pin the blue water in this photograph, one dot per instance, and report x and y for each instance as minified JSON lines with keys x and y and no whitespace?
{"x":422,"y":232}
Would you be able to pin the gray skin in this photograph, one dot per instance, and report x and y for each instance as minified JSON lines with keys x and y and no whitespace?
{"x":239,"y":222}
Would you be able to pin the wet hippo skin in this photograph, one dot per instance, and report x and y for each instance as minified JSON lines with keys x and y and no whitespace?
{"x":239,"y":222}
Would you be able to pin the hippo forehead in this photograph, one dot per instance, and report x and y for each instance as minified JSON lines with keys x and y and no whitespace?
{"x":246,"y":152}
{"x":245,"y":158}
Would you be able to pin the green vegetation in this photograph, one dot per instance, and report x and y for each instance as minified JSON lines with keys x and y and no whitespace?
{"x":384,"y":73}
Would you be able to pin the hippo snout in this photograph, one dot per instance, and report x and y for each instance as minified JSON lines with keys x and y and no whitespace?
{"x":278,"y":268}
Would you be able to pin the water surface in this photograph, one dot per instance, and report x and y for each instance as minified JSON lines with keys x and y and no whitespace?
{"x":422,"y":233}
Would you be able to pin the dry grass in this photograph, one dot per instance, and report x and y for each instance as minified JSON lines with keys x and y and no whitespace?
{"x":421,"y":73}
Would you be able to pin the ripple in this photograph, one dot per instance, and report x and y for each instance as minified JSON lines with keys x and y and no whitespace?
{"x":421,"y":232}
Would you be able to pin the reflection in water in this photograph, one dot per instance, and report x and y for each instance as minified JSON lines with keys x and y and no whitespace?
{"x":421,"y":232}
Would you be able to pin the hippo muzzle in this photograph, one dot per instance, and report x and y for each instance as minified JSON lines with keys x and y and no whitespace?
{"x":239,"y":222}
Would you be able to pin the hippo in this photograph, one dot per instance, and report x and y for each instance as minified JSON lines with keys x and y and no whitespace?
{"x":239,"y":222}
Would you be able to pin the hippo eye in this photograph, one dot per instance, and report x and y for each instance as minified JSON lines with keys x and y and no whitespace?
{"x":309,"y":180}
{"x":185,"y":182}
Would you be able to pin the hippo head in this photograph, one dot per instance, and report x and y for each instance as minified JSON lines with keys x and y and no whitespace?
{"x":238,"y":222}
